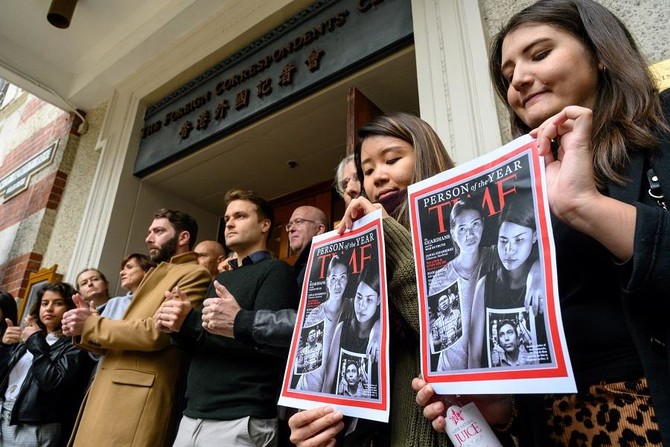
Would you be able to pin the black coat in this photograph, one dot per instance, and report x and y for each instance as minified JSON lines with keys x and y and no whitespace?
{"x":55,"y":382}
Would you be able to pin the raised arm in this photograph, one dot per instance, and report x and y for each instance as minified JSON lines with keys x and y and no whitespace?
{"x":141,"y":334}
{"x":573,"y":195}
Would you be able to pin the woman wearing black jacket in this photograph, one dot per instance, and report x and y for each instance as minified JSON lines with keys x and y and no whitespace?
{"x":42,"y":374}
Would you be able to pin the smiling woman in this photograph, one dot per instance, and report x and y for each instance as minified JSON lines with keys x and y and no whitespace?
{"x":571,"y":73}
{"x":545,"y":69}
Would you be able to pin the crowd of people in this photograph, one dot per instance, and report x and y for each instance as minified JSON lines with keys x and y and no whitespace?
{"x":194,"y":353}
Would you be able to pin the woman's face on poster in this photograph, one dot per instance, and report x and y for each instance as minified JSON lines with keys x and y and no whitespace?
{"x":515,"y":243}
{"x":467,"y":231}
{"x":336,"y":281}
{"x":366,"y":302}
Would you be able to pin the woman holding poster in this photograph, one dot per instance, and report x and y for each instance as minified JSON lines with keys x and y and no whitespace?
{"x":574,"y":78}
{"x":393,"y":152}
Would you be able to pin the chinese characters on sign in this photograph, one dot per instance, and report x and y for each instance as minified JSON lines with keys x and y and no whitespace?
{"x":316,"y":47}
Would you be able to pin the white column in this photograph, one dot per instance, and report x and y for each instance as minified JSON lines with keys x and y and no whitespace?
{"x":110,"y":187}
{"x":455,"y":93}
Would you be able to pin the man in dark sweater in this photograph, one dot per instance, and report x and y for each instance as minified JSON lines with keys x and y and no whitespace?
{"x":232,"y":387}
{"x":270,"y":329}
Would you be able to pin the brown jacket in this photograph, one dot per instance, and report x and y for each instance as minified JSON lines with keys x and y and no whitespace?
{"x":131,"y":400}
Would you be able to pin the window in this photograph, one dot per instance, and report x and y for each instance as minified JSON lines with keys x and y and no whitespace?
{"x":4,"y":86}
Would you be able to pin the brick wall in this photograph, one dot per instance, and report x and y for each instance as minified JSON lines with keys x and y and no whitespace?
{"x":45,"y":191}
{"x":17,"y":271}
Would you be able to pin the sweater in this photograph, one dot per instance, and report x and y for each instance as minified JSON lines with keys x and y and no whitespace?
{"x":229,"y":379}
{"x":408,"y":426}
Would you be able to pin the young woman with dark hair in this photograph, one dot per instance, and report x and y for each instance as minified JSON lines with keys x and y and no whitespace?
{"x":572,"y":75}
{"x":393,"y":151}
{"x":43,"y":375}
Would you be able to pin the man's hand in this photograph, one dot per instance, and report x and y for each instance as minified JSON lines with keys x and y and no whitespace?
{"x":12,"y":333}
{"x":74,"y":319}
{"x":171,"y":314}
{"x":218,"y":314}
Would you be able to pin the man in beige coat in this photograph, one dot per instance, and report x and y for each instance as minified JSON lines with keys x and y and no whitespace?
{"x":131,"y":401}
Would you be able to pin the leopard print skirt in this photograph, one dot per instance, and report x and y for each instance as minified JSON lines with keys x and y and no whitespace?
{"x":609,"y":414}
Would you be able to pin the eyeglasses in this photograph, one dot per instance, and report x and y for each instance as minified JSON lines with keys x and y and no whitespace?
{"x":345,"y":182}
{"x":298,"y":223}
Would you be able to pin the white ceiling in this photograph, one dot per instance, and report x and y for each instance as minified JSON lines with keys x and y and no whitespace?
{"x":108,"y":40}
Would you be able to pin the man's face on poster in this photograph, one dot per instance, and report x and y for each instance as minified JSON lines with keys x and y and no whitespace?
{"x":508,"y":338}
{"x":443,"y":304}
{"x":351,"y":375}
{"x":336,"y":280}
{"x":311,"y":337}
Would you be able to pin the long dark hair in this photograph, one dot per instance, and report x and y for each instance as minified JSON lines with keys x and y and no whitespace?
{"x":9,"y":310}
{"x":518,"y":210}
{"x":63,"y":289}
{"x":430,"y":155}
{"x":369,"y":276}
{"x":627,"y":108}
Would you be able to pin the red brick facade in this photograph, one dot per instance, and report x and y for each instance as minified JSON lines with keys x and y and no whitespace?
{"x":45,"y":191}
{"x":17,"y":271}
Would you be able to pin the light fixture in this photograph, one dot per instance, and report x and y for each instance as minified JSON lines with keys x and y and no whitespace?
{"x":60,"y":13}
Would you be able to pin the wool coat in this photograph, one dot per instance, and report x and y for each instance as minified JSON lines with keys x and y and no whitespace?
{"x":132,"y":400}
